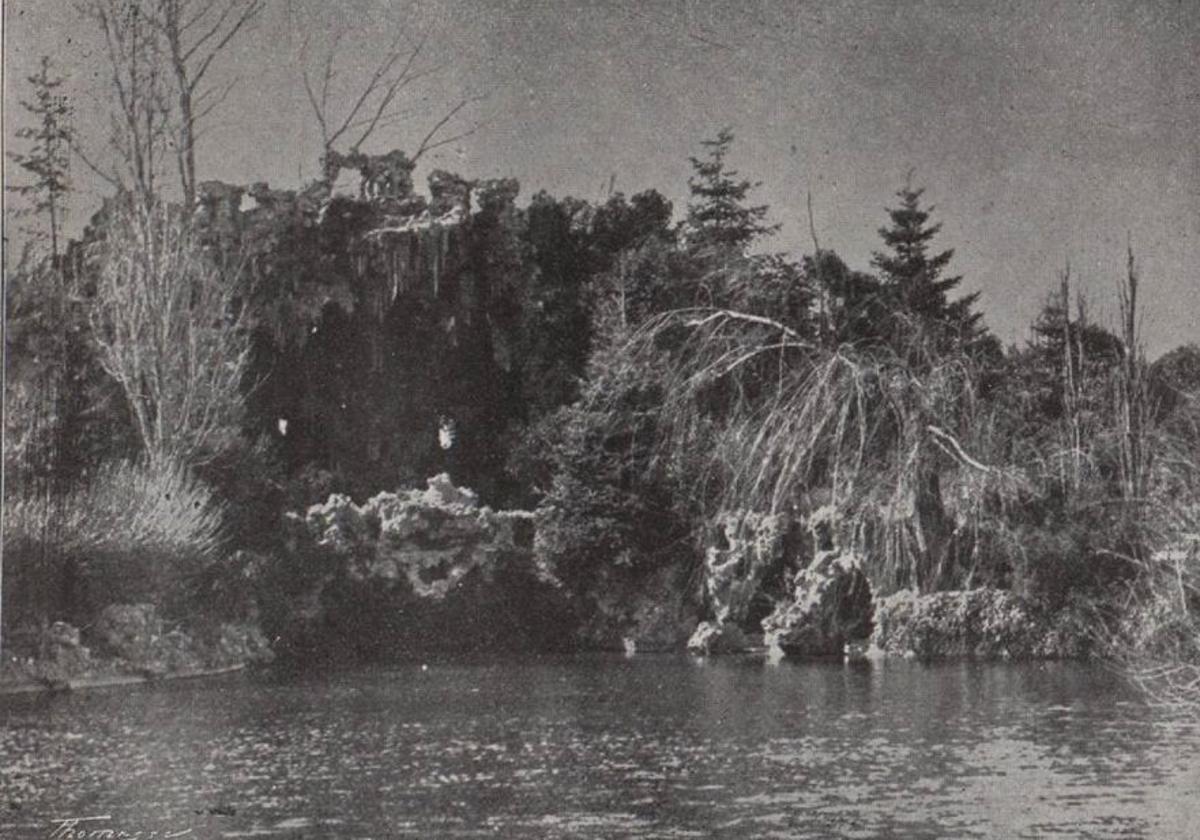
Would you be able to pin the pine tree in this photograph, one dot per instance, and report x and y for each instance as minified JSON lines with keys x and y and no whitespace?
{"x":914,"y":276}
{"x":717,"y":214}
{"x":49,"y":158}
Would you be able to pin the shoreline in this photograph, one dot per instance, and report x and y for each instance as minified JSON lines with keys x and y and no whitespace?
{"x":85,"y":683}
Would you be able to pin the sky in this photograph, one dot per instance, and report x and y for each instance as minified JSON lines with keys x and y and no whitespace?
{"x":1042,"y":131}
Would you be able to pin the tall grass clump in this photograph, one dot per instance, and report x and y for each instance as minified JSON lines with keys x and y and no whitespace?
{"x":1158,"y":643}
{"x":134,"y":532}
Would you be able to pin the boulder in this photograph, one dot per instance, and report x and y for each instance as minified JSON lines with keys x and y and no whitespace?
{"x":975,"y":623}
{"x":712,"y":637}
{"x":829,"y":609}
{"x":128,"y":631}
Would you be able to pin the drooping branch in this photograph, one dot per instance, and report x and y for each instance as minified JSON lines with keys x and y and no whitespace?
{"x":950,"y":445}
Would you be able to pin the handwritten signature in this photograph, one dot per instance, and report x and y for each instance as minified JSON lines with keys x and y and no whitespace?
{"x":87,"y":828}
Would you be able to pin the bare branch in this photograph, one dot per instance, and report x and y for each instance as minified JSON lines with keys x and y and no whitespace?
{"x":249,"y":12}
{"x":401,"y":80}
{"x":169,"y":333}
{"x":213,"y":105}
{"x":110,"y":178}
{"x":426,"y":145}
{"x":378,"y":79}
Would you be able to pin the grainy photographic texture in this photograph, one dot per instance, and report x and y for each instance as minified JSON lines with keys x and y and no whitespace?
{"x":480,"y":418}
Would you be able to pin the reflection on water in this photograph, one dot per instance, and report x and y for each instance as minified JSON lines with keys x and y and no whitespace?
{"x":598,"y":746}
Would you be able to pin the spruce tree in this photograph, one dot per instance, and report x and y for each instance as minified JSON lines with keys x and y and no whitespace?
{"x":718,"y":217}
{"x":915,"y":280}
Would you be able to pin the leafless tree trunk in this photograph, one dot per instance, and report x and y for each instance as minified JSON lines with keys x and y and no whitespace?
{"x":195,"y":32}
{"x":141,"y":114}
{"x":148,"y":43}
{"x":1132,"y":405}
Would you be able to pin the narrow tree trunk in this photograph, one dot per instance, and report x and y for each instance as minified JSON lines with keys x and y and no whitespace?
{"x":187,"y":141}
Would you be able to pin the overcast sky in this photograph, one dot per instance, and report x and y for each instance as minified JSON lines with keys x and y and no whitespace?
{"x":1041,"y":130}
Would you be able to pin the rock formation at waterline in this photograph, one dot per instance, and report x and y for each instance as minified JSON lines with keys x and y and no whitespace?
{"x":826,"y":602}
{"x":745,"y":548}
{"x":974,"y":623}
{"x":414,"y":570}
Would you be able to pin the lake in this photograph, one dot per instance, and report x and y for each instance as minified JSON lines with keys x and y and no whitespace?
{"x":598,"y":746}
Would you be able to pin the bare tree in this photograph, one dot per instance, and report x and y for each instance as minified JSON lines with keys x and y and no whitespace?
{"x":170,"y":331}
{"x":195,"y":32}
{"x":1133,"y":408}
{"x":160,"y":53}
{"x":140,"y":119}
{"x":378,"y":102}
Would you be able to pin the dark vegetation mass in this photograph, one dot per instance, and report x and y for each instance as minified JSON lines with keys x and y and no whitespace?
{"x":655,"y":385}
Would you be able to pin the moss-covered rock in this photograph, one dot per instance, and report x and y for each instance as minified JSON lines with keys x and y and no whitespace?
{"x":976,"y":623}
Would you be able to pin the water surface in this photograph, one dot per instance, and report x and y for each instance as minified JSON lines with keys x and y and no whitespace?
{"x":607,"y":746}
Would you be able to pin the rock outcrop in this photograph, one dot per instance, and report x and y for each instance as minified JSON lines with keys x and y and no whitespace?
{"x":744,"y":548}
{"x":413,"y":570}
{"x":428,"y":540}
{"x":747,"y":546}
{"x":830,"y":608}
{"x":712,"y":637}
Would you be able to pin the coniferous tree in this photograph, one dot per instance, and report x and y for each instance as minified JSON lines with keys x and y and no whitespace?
{"x":914,"y":276}
{"x":718,"y":216}
{"x":48,"y":160}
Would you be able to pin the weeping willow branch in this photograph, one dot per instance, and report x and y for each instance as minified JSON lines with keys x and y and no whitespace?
{"x":760,"y":418}
{"x":948,"y":444}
